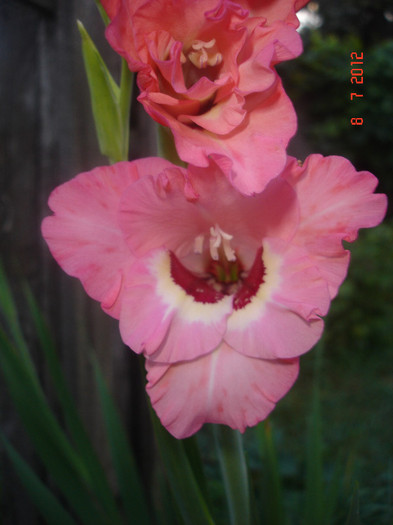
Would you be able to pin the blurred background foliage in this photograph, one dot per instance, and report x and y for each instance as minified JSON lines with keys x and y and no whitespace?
{"x":319,"y":84}
{"x":356,"y":379}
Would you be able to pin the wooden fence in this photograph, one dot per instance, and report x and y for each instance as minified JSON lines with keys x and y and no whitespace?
{"x":46,"y":137}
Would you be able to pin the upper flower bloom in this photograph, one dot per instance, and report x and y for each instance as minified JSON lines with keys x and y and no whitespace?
{"x":220,"y":291}
{"x":284,"y":10}
{"x":206,"y":70}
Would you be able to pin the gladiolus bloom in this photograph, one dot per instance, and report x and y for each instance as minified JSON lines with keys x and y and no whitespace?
{"x":221,"y":292}
{"x":206,"y":71}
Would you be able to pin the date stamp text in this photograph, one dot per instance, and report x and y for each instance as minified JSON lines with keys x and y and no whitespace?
{"x":356,"y":80}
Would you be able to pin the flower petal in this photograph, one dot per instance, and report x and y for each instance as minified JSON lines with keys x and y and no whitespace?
{"x":160,"y":319}
{"x":83,"y":235}
{"x":282,"y":319}
{"x":335,"y":201}
{"x":223,"y":387}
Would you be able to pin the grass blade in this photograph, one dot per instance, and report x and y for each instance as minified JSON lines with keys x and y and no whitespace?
{"x":50,"y":442}
{"x":273,"y":502}
{"x":74,"y":425}
{"x":354,"y":514}
{"x":130,"y":487}
{"x":185,"y":490}
{"x":50,"y":508}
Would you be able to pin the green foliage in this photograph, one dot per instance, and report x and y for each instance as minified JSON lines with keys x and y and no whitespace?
{"x":67,"y":454}
{"x":110,"y":102}
{"x":359,"y":323}
{"x":319,"y":83}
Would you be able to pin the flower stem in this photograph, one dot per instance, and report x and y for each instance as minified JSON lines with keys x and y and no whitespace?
{"x":125,"y":106}
{"x":166,"y":146}
{"x":229,"y":446}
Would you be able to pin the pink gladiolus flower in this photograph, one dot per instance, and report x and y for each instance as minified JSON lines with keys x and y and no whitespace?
{"x":221,"y":292}
{"x":206,"y":70}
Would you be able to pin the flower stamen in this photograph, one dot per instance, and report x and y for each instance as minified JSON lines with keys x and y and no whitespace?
{"x":204,"y":54}
{"x":219,"y":238}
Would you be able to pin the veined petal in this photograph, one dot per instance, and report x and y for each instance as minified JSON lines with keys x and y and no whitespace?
{"x":222,"y":387}
{"x":84,"y":236}
{"x":154,"y":214}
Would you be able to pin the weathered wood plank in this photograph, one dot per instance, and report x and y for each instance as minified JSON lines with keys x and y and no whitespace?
{"x":47,"y":137}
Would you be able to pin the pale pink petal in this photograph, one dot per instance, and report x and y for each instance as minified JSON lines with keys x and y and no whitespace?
{"x":154,"y":213}
{"x":335,"y":198}
{"x":84,"y":236}
{"x":271,"y":213}
{"x":160,"y":319}
{"x":223,"y":387}
{"x":335,"y":201}
{"x":282,"y":319}
{"x":279,"y":332}
{"x":144,"y":319}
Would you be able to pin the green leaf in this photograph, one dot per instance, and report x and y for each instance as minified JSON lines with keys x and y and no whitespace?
{"x":192,"y":451}
{"x":314,"y":497}
{"x":80,"y":438}
{"x":229,"y":446}
{"x":50,"y":442}
{"x":186,"y":492}
{"x":105,"y":100}
{"x":47,"y":504}
{"x":130,"y":487}
{"x":272,"y":492}
{"x":11,"y":319}
{"x":354,"y":514}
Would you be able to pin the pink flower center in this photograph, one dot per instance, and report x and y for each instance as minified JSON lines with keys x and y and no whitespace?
{"x":224,"y":274}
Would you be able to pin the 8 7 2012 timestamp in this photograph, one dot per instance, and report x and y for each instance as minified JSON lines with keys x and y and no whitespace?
{"x":356,"y":78}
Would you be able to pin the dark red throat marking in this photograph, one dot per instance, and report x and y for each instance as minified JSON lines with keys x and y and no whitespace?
{"x":195,"y":286}
{"x":251,"y":283}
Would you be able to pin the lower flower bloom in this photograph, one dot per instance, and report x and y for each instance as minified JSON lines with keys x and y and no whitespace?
{"x":221,"y":292}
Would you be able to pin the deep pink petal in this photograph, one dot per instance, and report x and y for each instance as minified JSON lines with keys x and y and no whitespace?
{"x":222,"y":387}
{"x":267,"y":46}
{"x":284,"y":10}
{"x":257,"y":147}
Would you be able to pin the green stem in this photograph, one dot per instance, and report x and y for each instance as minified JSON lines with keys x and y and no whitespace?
{"x":125,"y":106}
{"x":166,"y":146}
{"x":229,"y":446}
